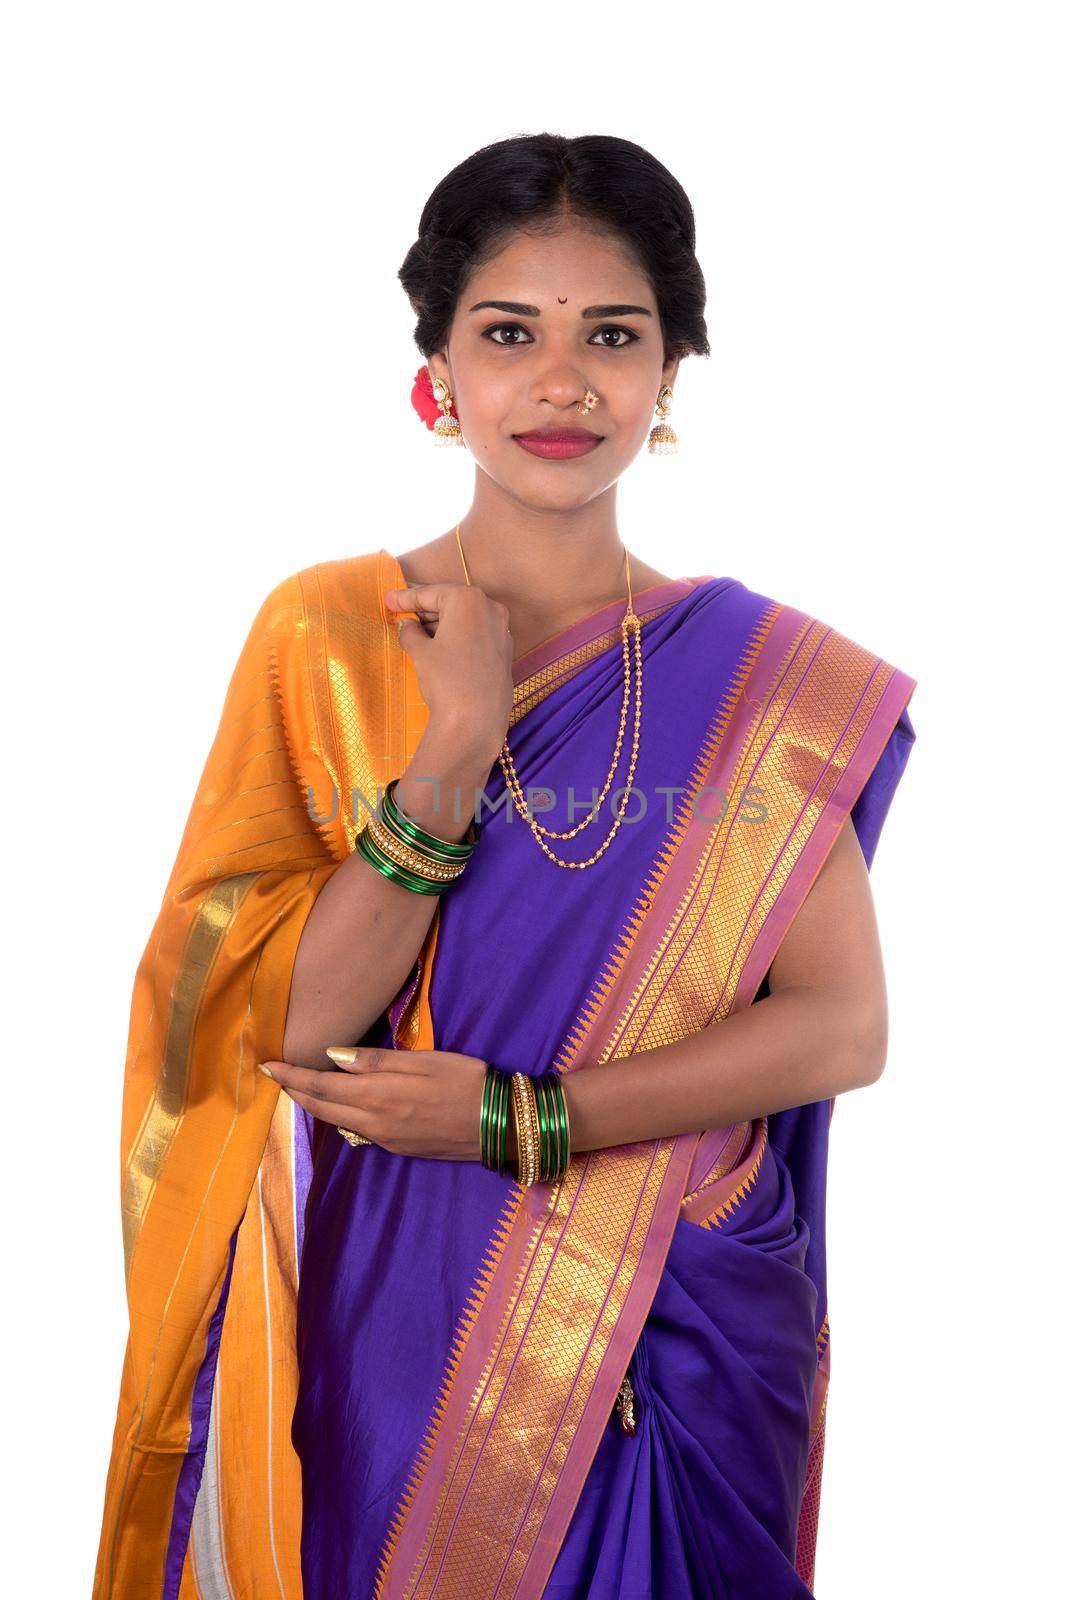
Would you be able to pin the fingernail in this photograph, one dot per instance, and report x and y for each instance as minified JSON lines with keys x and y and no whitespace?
{"x":344,"y":1055}
{"x":266,"y":1070}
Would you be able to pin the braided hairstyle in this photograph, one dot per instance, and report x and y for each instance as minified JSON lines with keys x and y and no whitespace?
{"x":538,"y":183}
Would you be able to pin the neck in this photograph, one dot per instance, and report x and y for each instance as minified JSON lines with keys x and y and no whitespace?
{"x":542,"y":562}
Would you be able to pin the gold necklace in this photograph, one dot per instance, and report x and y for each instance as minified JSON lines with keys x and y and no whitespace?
{"x":631,"y":624}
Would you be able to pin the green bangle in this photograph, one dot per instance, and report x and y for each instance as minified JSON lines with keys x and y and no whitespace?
{"x":548,"y":1153}
{"x":543,"y":1130}
{"x":484,"y":1123}
{"x":409,"y":829}
{"x":501,"y":1128}
{"x":555,"y":1141}
{"x":494,"y":1119}
{"x":392,"y":869}
{"x":553,"y":1129}
{"x":490,"y":1096}
{"x":563,"y":1127}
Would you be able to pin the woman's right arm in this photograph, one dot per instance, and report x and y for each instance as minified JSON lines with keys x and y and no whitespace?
{"x":364,"y":932}
{"x":362,"y":935}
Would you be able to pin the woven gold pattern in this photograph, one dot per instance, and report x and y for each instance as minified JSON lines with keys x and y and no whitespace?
{"x":559,"y":1349}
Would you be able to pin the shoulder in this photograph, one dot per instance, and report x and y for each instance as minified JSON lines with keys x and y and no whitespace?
{"x":798,"y":645}
{"x":312,"y":596}
{"x":833,"y":641}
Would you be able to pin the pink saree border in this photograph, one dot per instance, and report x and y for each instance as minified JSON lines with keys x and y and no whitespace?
{"x":609,"y":616}
{"x":895,"y":697}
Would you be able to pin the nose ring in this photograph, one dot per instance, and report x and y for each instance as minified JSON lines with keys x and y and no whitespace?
{"x":589,"y":400}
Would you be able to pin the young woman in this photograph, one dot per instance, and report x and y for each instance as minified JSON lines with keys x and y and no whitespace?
{"x":505,"y":1277}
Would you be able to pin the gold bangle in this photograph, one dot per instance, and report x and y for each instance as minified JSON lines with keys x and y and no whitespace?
{"x":528,"y":1138}
{"x":407,"y":856}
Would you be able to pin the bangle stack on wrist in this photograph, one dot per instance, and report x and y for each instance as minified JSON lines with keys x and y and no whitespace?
{"x":543,"y":1132}
{"x":400,"y":849}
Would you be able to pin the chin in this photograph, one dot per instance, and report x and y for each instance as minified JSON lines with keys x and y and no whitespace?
{"x":559,"y":487}
{"x":544,"y":487}
{"x":559,"y":498}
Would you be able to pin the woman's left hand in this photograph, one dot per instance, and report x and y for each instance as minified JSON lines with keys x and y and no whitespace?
{"x":412,"y":1102}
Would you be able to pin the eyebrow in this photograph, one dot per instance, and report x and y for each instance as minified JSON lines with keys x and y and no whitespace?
{"x":520,"y":310}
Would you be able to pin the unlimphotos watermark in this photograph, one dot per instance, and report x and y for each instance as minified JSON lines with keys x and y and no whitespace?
{"x":632,"y":805}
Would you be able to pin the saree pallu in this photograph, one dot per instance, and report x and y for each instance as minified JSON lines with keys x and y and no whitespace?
{"x":351,"y":1373}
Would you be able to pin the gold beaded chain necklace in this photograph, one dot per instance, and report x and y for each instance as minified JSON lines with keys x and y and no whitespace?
{"x":631,"y":625}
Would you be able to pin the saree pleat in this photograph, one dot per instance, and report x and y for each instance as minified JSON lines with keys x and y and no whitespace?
{"x":352,"y":1373}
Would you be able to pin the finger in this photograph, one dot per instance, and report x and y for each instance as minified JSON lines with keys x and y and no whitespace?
{"x":378,"y":1061}
{"x":361,"y":1058}
{"x":334,"y":1111}
{"x":420,"y":597}
{"x":414,"y":632}
{"x":424,"y":595}
{"x":429,"y":598}
{"x":318,"y":1084}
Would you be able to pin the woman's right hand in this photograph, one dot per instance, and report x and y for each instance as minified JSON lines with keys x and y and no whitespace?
{"x":462,"y":654}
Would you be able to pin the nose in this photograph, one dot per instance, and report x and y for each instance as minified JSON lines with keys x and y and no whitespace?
{"x":560,"y":382}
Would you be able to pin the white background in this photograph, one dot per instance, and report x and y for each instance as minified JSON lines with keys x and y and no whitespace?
{"x":206,"y":363}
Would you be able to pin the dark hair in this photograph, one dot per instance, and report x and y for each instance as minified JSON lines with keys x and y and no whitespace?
{"x":537,"y":182}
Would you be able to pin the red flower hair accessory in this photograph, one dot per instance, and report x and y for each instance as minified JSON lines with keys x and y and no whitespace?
{"x":423,"y":398}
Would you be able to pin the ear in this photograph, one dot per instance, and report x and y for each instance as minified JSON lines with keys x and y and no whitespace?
{"x":438,"y":367}
{"x":671,"y":371}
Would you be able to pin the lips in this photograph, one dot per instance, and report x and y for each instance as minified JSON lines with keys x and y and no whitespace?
{"x":558,"y":444}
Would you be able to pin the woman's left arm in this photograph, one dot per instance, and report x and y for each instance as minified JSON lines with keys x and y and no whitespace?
{"x":821,"y":1031}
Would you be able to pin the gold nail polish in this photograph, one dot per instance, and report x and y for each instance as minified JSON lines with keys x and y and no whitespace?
{"x":344,"y":1055}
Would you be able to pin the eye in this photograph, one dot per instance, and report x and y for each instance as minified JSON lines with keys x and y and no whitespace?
{"x":514,"y":327}
{"x":504,"y":327}
{"x":632,"y":338}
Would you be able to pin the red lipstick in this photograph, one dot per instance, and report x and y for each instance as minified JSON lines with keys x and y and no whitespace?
{"x":558,"y":444}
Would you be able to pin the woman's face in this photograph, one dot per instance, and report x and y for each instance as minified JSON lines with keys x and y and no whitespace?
{"x":572,"y":311}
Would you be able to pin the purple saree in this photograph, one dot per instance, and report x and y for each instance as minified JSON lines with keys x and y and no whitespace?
{"x":461,"y":1342}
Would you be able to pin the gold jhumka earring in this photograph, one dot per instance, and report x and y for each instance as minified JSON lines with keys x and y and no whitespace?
{"x":631,"y":625}
{"x":446,"y":428}
{"x":663,"y":440}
